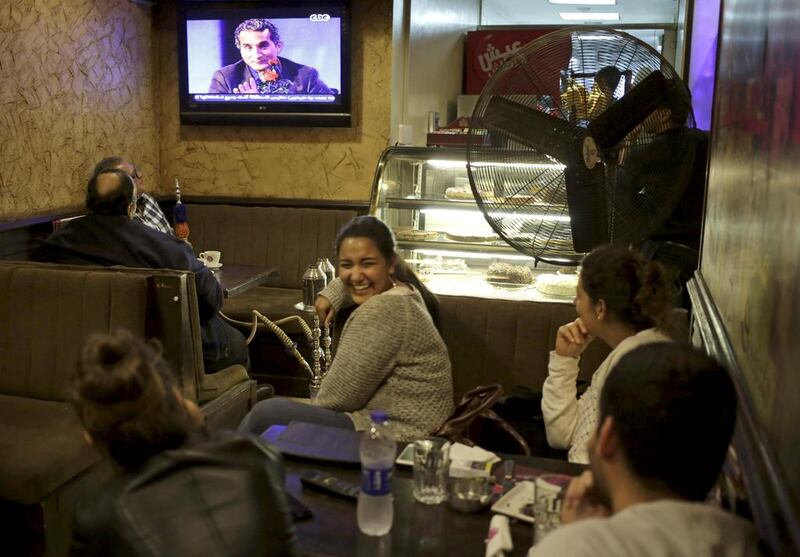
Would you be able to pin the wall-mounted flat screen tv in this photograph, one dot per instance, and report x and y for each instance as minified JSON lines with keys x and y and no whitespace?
{"x":269,"y":63}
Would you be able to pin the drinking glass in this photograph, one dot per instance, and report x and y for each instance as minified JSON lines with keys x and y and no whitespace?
{"x":431,"y":467}
{"x":548,"y":494}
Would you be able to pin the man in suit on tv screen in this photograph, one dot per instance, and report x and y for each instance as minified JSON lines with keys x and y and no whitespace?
{"x":261,"y":70}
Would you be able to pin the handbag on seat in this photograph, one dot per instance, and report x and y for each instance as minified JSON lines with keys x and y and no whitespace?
{"x":474,"y":422}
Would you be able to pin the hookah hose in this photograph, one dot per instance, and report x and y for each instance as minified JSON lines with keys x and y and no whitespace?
{"x":273,"y":326}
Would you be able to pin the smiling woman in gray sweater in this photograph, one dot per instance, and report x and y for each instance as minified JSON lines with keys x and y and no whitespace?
{"x":390,"y":355}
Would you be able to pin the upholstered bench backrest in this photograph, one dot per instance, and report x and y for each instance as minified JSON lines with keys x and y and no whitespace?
{"x":47,"y":312}
{"x":288,"y":239}
{"x":506,"y":342}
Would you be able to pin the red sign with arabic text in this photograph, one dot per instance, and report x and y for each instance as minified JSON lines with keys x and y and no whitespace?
{"x":487,"y":50}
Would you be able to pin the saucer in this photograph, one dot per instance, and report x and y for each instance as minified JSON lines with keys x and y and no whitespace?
{"x":209,"y":265}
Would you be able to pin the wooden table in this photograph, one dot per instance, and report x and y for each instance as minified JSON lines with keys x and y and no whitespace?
{"x":429,"y":530}
{"x":237,"y":279}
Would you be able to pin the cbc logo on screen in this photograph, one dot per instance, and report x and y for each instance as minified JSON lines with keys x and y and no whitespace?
{"x":319,"y":17}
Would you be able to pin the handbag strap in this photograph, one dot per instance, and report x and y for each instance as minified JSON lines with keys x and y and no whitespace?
{"x":473,"y":403}
{"x":508,"y":428}
{"x":476,"y":403}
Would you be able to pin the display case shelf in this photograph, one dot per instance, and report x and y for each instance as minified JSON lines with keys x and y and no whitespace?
{"x":427,"y":203}
{"x":408,"y":194}
{"x":455,"y":204}
{"x":447,"y":245}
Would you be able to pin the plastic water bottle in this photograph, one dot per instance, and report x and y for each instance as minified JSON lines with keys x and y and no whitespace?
{"x":375,"y":503}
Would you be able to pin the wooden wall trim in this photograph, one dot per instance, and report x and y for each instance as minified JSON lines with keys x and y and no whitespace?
{"x":777,"y":520}
{"x":41,"y":218}
{"x":18,"y":236}
{"x":360,"y":207}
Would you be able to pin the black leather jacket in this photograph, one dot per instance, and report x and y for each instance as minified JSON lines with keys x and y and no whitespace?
{"x":223,"y":497}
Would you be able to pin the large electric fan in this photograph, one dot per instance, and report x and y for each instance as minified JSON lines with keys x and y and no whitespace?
{"x":566,"y":150}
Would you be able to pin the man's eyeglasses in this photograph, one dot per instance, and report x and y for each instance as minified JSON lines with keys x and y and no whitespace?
{"x":135,"y":174}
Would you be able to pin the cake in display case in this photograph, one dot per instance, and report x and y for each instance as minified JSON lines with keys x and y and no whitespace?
{"x":423,"y":194}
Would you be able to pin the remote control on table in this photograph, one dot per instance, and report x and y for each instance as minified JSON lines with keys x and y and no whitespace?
{"x":331,"y":485}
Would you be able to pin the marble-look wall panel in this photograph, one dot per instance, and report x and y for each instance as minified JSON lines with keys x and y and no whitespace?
{"x":751,"y":244}
{"x":76,"y":84}
{"x":315,"y":163}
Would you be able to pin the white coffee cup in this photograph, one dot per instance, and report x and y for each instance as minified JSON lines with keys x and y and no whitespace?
{"x":211,"y":258}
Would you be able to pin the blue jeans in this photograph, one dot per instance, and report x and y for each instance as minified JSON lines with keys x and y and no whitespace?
{"x":281,"y":411}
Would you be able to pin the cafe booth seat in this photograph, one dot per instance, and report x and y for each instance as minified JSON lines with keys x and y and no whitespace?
{"x":283,"y":238}
{"x":46,"y":313}
{"x":509,"y":342}
{"x":286,"y":239}
{"x":506,"y":342}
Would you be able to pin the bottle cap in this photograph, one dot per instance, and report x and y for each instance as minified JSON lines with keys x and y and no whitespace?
{"x":379,"y":416}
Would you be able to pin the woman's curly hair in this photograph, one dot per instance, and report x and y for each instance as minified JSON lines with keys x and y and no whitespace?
{"x":636,"y":292}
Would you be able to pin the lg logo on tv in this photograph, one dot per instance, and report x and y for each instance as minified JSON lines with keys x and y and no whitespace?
{"x":319,"y":17}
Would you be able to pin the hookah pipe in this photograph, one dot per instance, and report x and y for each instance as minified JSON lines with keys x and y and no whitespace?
{"x":179,"y":213}
{"x":318,"y":338}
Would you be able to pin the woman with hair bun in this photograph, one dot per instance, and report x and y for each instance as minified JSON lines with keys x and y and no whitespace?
{"x":174,"y":480}
{"x":625,"y":302}
{"x":390,"y":355}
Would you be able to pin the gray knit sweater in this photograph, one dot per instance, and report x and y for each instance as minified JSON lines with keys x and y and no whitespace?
{"x":390,"y":357}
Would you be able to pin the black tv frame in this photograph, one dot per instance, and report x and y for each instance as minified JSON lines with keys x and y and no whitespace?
{"x":263,"y":114}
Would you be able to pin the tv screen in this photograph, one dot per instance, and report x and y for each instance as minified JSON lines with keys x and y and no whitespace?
{"x":265,"y":63}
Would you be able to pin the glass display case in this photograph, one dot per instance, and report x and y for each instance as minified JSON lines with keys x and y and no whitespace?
{"x":423,"y":194}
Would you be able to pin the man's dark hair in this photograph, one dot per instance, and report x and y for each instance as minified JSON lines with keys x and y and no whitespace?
{"x":608,"y":76}
{"x":674,"y":411}
{"x":108,"y":163}
{"x":256,"y":24}
{"x":111,"y":202}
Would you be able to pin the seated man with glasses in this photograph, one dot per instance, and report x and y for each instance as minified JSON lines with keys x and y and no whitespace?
{"x":111,"y":235}
{"x":147,"y":209}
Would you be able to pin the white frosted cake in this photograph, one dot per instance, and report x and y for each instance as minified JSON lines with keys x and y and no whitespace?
{"x":557,"y":284}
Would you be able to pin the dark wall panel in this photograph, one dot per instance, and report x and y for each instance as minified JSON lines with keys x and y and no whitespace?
{"x":751,"y":252}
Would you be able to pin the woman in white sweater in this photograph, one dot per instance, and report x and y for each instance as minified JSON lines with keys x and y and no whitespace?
{"x":621,"y":300}
{"x":390,"y":355}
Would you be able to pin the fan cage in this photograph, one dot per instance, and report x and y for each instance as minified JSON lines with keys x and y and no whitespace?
{"x":521,"y":188}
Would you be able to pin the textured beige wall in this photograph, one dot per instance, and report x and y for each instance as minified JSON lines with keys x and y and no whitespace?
{"x":315,"y":163}
{"x":76,"y":84}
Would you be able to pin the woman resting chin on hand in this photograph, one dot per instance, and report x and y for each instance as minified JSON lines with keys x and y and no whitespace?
{"x":621,"y":300}
{"x":390,"y":355}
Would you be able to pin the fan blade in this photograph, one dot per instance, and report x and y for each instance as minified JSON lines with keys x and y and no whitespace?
{"x":533,"y":128}
{"x":622,"y":117}
{"x":588,"y":206}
